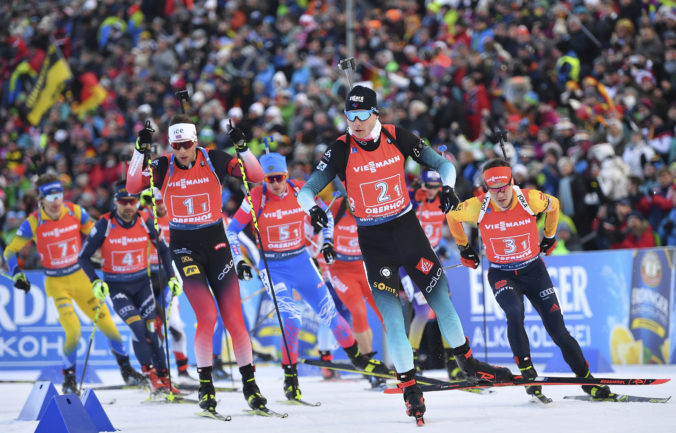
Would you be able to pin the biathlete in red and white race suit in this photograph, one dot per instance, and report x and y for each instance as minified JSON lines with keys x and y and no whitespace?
{"x":175,"y":325}
{"x":506,"y":217}
{"x":426,"y":206}
{"x":370,"y":160}
{"x":123,"y":237}
{"x":190,"y":181}
{"x":282,"y":227}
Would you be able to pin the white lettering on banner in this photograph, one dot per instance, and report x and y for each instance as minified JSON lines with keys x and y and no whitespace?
{"x":570,"y":283}
{"x":650,"y":297}
{"x":5,"y":321}
{"x":496,"y":336}
{"x":21,"y":316}
{"x":373,"y":165}
{"x":476,"y":295}
{"x":59,"y":230}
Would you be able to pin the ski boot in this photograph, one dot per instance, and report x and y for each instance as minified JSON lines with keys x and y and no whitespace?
{"x":454,"y":372}
{"x":152,"y":377}
{"x":327,"y":373}
{"x":528,"y":372}
{"x":164,"y":378}
{"x":251,"y":392}
{"x":413,"y":396}
{"x":129,"y":375}
{"x":596,"y":391}
{"x":206,"y":393}
{"x":291,"y":387}
{"x":218,"y":371}
{"x":478,"y":370}
{"x":69,"y":381}
{"x":364,"y":362}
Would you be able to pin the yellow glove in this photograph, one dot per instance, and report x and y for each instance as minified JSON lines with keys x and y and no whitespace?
{"x":100,"y":289}
{"x":175,"y":286}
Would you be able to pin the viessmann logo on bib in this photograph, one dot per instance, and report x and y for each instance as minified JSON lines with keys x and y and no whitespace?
{"x":502,"y":225}
{"x":59,"y":230}
{"x":184,"y":183}
{"x":125,"y":240}
{"x":372,"y":166}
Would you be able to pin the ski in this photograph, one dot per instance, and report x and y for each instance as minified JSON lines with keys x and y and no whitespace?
{"x":213,"y":415}
{"x":264,"y":411}
{"x":344,"y":366}
{"x":117,"y":387}
{"x":196,"y":387}
{"x":300,"y":402}
{"x":620,"y":398}
{"x":166,"y":398}
{"x":520,"y":381}
{"x":541,"y":399}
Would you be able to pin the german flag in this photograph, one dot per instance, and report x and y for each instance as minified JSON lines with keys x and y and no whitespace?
{"x":54,"y":73}
{"x":91,"y":93}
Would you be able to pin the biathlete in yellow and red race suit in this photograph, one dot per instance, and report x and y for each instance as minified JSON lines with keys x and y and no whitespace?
{"x":506,"y":217}
{"x":57,"y":228}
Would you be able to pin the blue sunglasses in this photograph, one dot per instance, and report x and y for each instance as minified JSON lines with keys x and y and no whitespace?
{"x":358,"y":114}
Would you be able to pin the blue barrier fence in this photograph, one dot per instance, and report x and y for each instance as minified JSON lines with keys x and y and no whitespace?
{"x":619,"y":303}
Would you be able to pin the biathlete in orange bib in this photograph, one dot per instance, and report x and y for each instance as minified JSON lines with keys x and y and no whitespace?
{"x":370,"y":160}
{"x":281,"y":222}
{"x":190,"y":181}
{"x":506,"y":217}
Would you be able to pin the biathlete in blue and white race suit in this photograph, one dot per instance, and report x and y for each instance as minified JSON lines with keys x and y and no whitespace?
{"x":370,"y":160}
{"x":282,"y":222}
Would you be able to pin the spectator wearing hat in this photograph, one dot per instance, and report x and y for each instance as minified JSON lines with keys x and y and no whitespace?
{"x":638,"y":233}
{"x":658,"y":202}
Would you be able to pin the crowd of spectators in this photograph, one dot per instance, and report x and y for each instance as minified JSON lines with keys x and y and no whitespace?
{"x":584,"y":89}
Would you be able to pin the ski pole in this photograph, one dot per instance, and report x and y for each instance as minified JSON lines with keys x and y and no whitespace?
{"x":91,"y":340}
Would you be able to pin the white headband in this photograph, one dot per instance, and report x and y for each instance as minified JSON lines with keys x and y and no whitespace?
{"x":182,"y":132}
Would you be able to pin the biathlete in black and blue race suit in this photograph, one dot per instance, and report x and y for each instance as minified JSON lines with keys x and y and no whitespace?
{"x":370,"y":160}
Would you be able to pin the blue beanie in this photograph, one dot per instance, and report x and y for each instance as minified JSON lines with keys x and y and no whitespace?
{"x":430,"y":176}
{"x":273,"y":162}
{"x":121,"y":191}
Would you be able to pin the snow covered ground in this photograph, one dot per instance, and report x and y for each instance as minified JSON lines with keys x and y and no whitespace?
{"x":348,"y":407}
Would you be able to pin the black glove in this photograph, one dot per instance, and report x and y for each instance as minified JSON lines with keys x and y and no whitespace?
{"x":318,"y":218}
{"x":448,"y":199}
{"x":442,"y":253}
{"x":547,"y":245}
{"x":328,"y":252}
{"x":21,"y":282}
{"x":468,"y":257}
{"x":243,"y":271}
{"x":668,"y":227}
{"x":145,"y":138}
{"x":237,"y":137}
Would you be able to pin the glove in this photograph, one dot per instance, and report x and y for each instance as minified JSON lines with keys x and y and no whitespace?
{"x":468,"y":257}
{"x":21,"y":282}
{"x":318,"y":218}
{"x":442,"y":253}
{"x":547,"y":245}
{"x":100,"y":289}
{"x":419,"y":195}
{"x":237,"y":137}
{"x":243,"y":271}
{"x":448,"y":199}
{"x":145,"y":139}
{"x":328,"y":252}
{"x":175,"y":286}
{"x":147,"y":197}
{"x":668,"y":227}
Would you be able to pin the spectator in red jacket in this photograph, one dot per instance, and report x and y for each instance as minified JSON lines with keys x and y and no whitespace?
{"x":639,"y":234}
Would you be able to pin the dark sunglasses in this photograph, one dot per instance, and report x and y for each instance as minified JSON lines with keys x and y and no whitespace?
{"x":127,"y":201}
{"x":182,"y":145}
{"x":431,"y":185}
{"x":358,"y":114}
{"x":275,"y":178}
